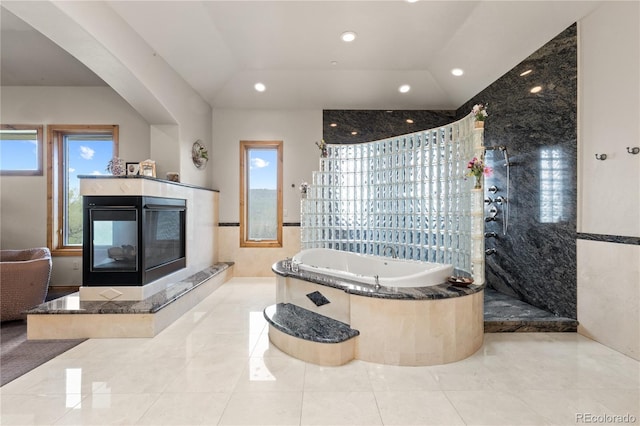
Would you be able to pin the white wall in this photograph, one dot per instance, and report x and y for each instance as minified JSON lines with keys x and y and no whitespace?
{"x":23,"y":199}
{"x":609,"y":120}
{"x":97,"y":36}
{"x":299,"y":130}
{"x":609,"y":191}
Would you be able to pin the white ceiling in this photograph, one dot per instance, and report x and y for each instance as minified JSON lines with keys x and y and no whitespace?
{"x":222,"y":48}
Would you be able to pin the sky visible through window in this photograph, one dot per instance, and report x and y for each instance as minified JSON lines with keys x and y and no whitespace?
{"x":262,"y":165}
{"x":262,"y":199}
{"x":87,"y":157}
{"x":19,"y":154}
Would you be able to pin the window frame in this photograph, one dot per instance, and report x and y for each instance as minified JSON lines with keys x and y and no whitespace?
{"x":56,"y":176}
{"x":245,"y":146}
{"x":39,"y":136}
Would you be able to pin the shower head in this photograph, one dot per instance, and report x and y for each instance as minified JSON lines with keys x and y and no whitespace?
{"x":506,"y":155}
{"x":501,"y":148}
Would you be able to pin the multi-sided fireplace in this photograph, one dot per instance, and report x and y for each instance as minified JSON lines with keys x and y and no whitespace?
{"x":132,"y":240}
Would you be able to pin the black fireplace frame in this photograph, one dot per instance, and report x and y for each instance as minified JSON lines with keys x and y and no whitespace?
{"x":143,"y":274}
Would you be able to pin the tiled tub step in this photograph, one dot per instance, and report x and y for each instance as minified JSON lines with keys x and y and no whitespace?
{"x":310,"y":336}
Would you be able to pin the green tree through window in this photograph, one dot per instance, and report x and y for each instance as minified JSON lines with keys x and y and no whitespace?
{"x":74,"y":151}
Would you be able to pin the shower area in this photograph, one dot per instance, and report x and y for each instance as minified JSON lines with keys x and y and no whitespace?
{"x":528,"y":209}
{"x":409,"y":193}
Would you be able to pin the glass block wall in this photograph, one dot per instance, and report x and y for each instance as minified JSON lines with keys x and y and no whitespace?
{"x":409,"y":192}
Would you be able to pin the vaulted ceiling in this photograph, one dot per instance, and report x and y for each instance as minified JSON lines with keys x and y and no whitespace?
{"x":222,"y":48}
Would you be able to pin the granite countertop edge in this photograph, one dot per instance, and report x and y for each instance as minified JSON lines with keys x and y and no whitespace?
{"x":436,"y":292}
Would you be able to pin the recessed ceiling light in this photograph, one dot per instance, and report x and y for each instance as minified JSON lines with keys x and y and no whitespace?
{"x":522,"y":74}
{"x":333,"y":125}
{"x":410,"y":121}
{"x":412,"y":1}
{"x":404,"y":88}
{"x":536,"y":89}
{"x":348,"y":36}
{"x":334,"y":63}
{"x":260,"y":87}
{"x":354,"y":133}
{"x":457,"y":72}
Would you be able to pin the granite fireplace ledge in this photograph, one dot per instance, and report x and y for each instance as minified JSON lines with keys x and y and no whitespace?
{"x":72,"y":305}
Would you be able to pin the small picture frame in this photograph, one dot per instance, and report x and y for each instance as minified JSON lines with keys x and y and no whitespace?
{"x":133,"y":169}
{"x":148,"y":168}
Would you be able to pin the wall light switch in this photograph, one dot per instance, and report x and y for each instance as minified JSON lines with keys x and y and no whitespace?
{"x":76,"y":265}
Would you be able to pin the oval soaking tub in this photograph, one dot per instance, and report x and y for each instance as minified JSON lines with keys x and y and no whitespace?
{"x":330,"y":316}
{"x":362,"y":268}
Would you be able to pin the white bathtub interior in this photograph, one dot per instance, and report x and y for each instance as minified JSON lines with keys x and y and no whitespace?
{"x":369,"y":269}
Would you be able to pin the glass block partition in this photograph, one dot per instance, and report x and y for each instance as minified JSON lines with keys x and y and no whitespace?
{"x":409,"y":192}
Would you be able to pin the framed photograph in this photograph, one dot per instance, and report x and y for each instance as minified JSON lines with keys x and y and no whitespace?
{"x":133,"y":169}
{"x":148,"y":168}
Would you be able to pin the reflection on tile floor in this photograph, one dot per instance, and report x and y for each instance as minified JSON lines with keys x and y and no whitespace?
{"x":215,"y":366}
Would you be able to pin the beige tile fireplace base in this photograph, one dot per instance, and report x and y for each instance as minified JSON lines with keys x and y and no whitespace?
{"x":66,"y":318}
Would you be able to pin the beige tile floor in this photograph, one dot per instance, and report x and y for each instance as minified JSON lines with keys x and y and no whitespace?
{"x":215,"y":366}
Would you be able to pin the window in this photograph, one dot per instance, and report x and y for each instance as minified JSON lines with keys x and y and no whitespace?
{"x":260,"y":194}
{"x":73,"y":150}
{"x":554,"y":173}
{"x":20,"y":150}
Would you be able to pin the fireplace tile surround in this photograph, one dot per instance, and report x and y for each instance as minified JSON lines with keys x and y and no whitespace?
{"x":201,"y":229}
{"x":112,"y":311}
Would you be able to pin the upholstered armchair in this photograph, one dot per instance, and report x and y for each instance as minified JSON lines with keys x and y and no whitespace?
{"x":24,"y":280}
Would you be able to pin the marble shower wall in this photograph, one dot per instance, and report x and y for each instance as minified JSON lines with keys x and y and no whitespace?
{"x":374,"y":125}
{"x":536,"y":259}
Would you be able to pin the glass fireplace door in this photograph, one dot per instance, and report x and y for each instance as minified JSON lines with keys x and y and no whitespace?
{"x":114,"y":234}
{"x":163,"y":236}
{"x":132,"y":240}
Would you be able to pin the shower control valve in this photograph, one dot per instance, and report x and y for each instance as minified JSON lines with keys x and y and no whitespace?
{"x":500,"y":199}
{"x":488,"y":200}
{"x":493,"y":189}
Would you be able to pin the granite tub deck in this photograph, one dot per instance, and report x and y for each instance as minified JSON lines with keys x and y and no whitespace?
{"x":70,"y":318}
{"x":505,"y":314}
{"x":396,"y":326}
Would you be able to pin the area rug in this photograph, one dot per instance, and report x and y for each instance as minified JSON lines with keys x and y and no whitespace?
{"x":19,"y":355}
